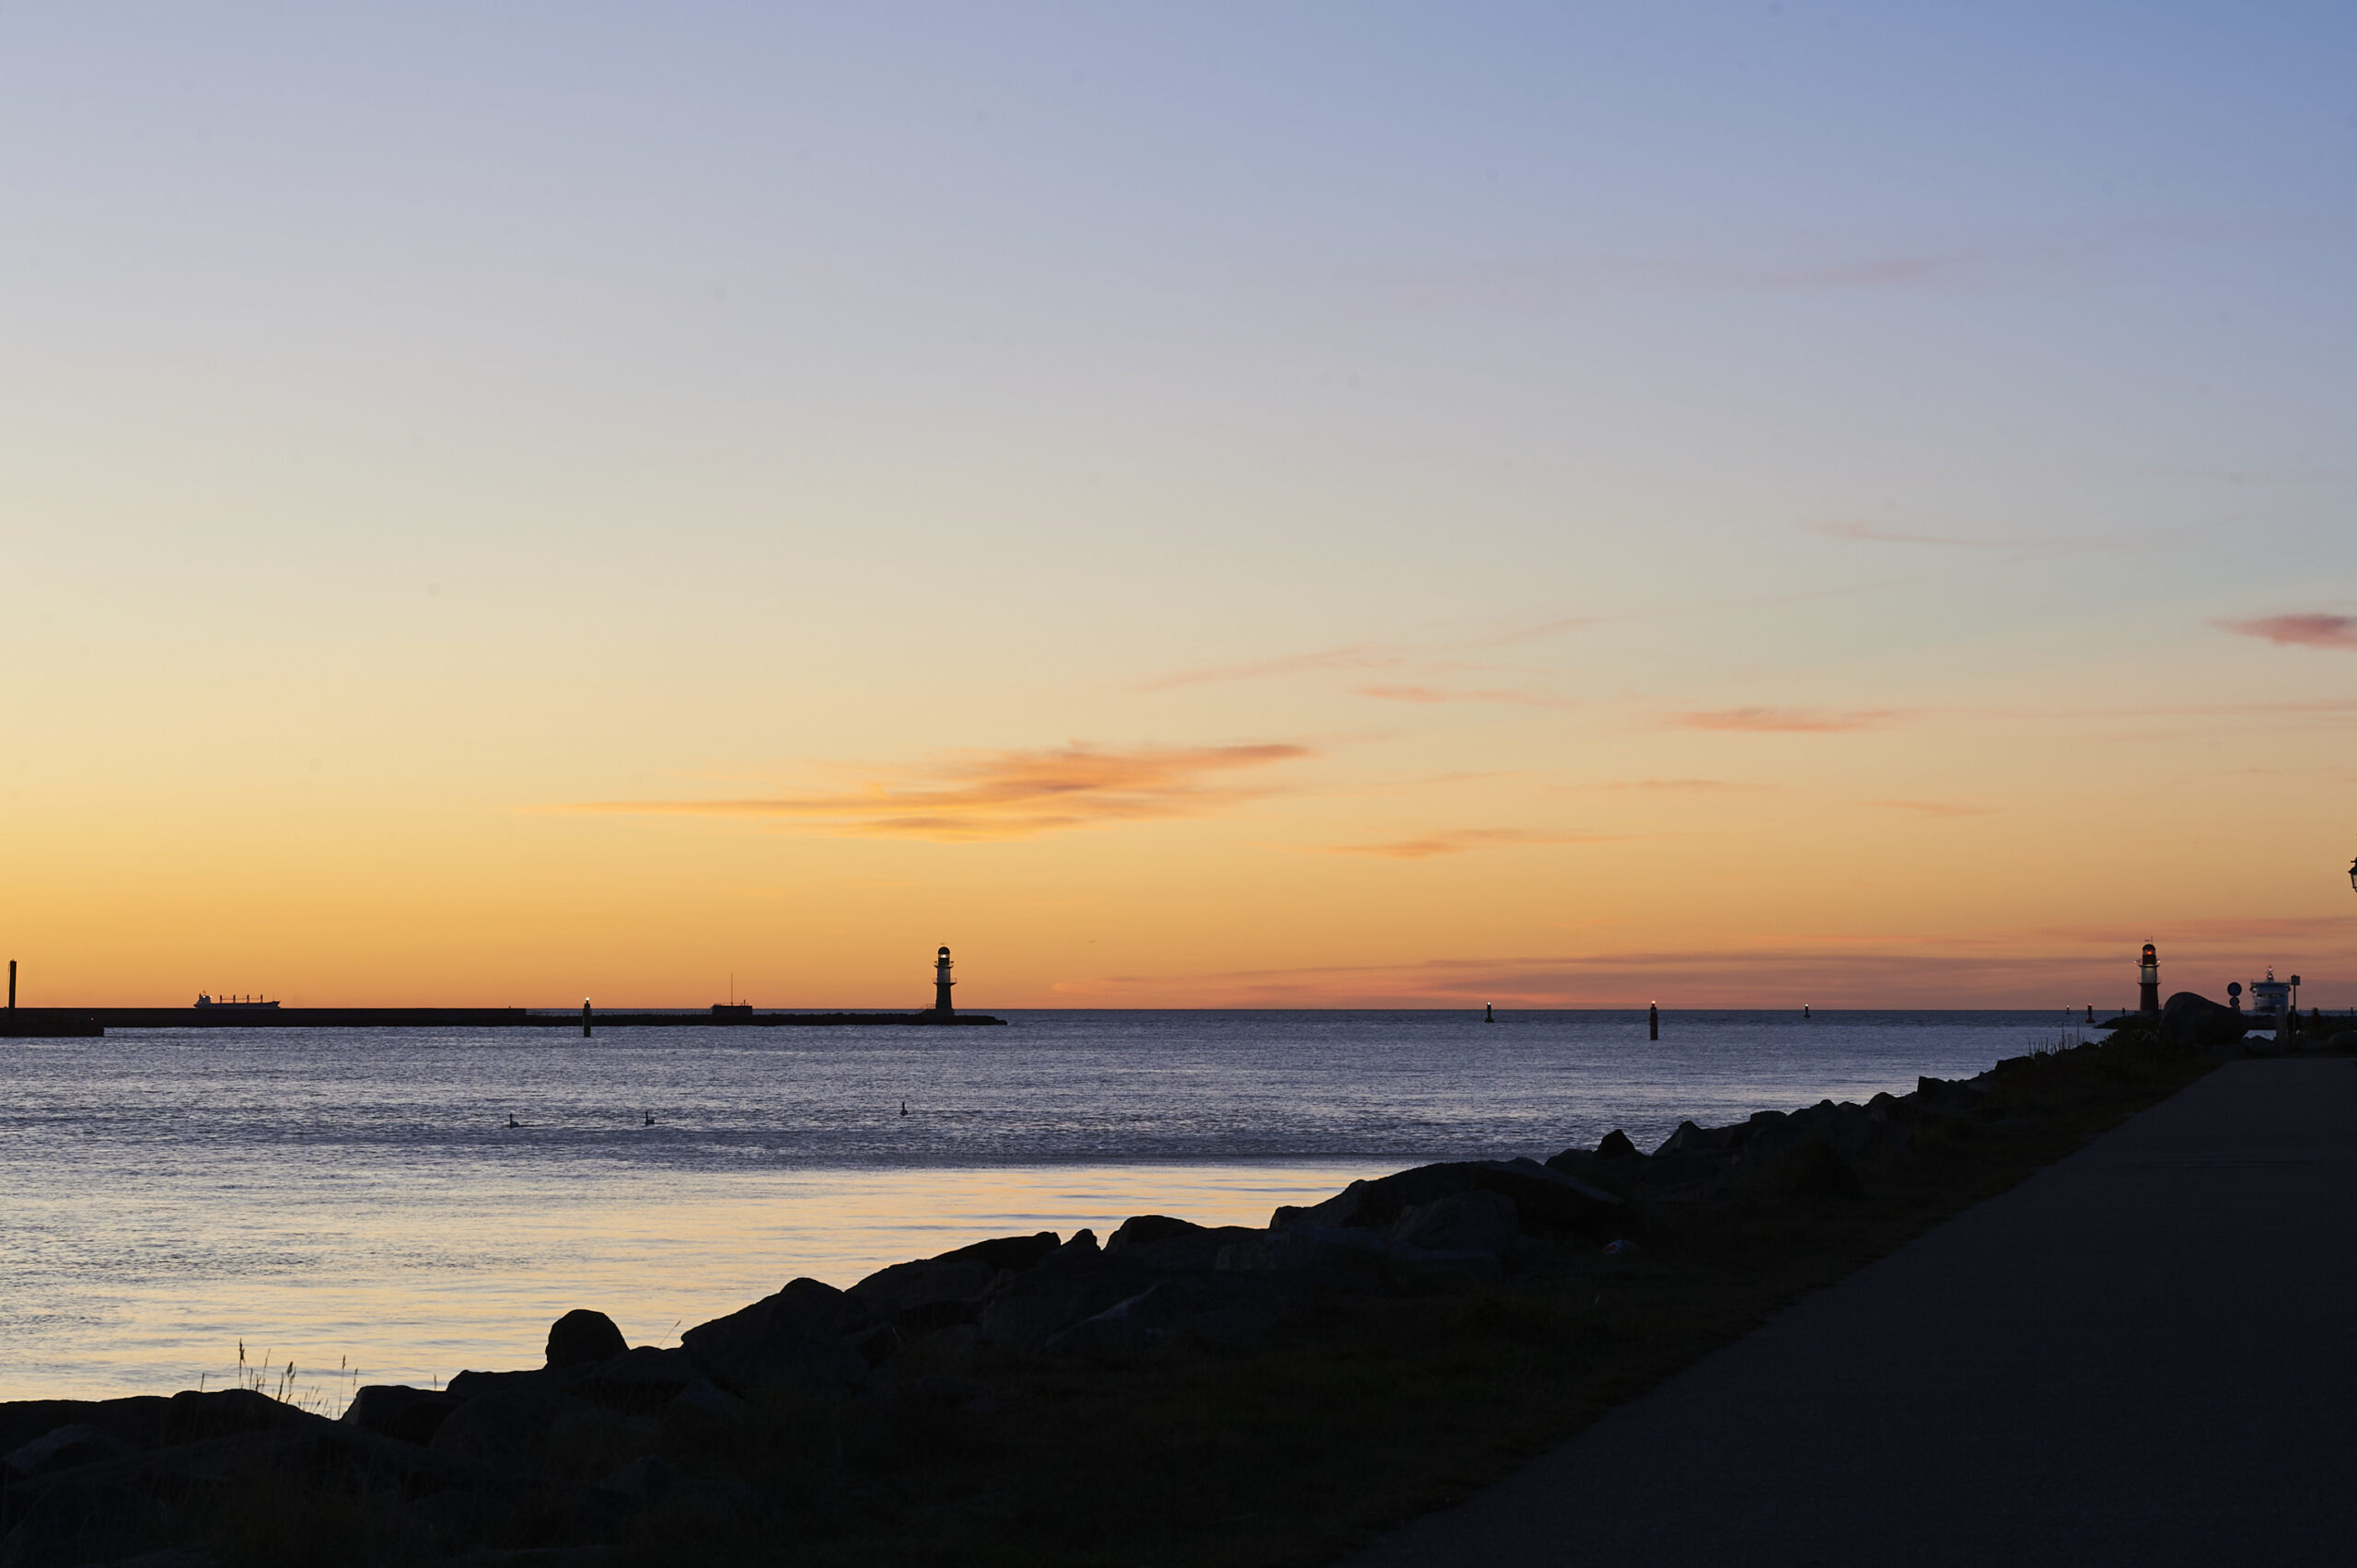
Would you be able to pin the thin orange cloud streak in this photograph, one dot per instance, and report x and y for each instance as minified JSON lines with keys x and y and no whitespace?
{"x":1935,"y":808}
{"x":1009,"y":795}
{"x":1784,"y":720}
{"x":1461,"y":840}
{"x":2313,"y":631}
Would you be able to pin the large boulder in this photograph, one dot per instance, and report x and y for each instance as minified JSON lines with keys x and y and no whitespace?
{"x":1134,"y":1322}
{"x":2187,"y":1018}
{"x":505,"y":1428}
{"x":1691,"y":1140}
{"x":137,"y":1420}
{"x":1074,"y":1283}
{"x":1352,"y":1259}
{"x":1228,"y":1309}
{"x":793,"y":1339}
{"x":1175,"y":1243}
{"x":77,"y":1520}
{"x":1473,"y":1220}
{"x":638,"y":1382}
{"x":581,"y":1337}
{"x":66,"y":1448}
{"x":191,"y":1417}
{"x":1544,"y":1200}
{"x":932,"y":1293}
{"x":400,"y":1411}
{"x":1016,"y":1252}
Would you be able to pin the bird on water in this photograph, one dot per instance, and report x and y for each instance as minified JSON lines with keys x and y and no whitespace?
{"x":904,"y":1107}
{"x":511,"y":1118}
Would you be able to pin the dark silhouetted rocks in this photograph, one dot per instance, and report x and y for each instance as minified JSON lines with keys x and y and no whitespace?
{"x":1476,"y":1220}
{"x":933,"y":1293}
{"x":1545,"y":1200}
{"x":793,"y":1339}
{"x":397,"y":1410}
{"x":504,"y":1428}
{"x":581,"y":1337}
{"x":67,"y":1446}
{"x":1176,"y":1244}
{"x":1074,"y":1283}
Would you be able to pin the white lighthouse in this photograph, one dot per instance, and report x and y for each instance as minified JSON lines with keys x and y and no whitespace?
{"x":941,"y":985}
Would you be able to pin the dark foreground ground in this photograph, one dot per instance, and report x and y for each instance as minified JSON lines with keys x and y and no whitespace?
{"x":2145,"y":1355}
{"x":1186,"y":1396}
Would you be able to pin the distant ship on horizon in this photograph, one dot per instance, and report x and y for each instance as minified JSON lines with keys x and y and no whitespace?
{"x":240,"y":1004}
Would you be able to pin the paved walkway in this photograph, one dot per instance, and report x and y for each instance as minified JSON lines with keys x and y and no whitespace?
{"x":2144,"y":1354}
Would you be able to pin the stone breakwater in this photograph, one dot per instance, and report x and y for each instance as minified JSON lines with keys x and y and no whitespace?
{"x":605,"y":1441}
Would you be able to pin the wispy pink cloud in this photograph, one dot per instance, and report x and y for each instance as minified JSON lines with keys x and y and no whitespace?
{"x":1695,"y":785}
{"x":1007,"y":794}
{"x":1358,"y":656}
{"x":1536,"y":632}
{"x":2310,"y":630}
{"x":1370,"y":656}
{"x":1784,"y":720}
{"x":1410,"y":693}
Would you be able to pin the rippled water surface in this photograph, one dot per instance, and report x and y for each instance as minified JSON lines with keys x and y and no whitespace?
{"x":358,"y":1197}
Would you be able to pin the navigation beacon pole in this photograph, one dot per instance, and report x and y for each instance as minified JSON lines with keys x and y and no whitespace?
{"x":2148,"y":982}
{"x":941,"y":985}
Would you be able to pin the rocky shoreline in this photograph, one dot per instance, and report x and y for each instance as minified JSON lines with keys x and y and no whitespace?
{"x":609,"y":1449}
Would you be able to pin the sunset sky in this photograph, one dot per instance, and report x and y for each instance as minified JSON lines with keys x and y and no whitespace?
{"x":1322,"y":505}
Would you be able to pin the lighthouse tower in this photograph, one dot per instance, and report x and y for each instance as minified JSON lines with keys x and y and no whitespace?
{"x":2148,"y":980}
{"x":941,"y":985}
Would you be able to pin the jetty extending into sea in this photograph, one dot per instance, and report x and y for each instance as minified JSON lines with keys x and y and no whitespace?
{"x":252,"y":1013}
{"x":76,"y":1021}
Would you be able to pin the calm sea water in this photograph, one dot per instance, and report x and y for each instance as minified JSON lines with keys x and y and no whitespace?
{"x":355,"y":1202}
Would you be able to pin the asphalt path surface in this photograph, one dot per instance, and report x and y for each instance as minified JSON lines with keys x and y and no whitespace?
{"x":2145,"y":1353}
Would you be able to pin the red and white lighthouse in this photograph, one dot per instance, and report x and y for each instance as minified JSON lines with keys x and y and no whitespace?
{"x":2148,"y":980}
{"x":941,"y":985}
